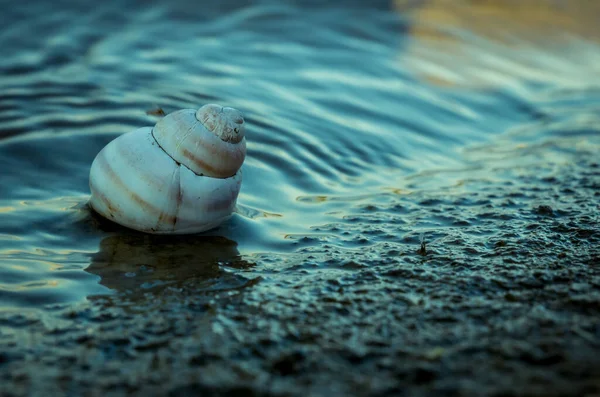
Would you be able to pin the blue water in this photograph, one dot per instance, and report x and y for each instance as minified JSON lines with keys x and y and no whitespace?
{"x":345,"y":104}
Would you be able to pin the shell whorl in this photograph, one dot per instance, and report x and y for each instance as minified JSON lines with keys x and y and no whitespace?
{"x":210,"y":141}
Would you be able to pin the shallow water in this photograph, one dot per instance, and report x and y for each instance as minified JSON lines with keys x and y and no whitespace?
{"x":349,"y":109}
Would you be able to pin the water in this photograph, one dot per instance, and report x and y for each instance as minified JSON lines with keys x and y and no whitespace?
{"x":350,"y":109}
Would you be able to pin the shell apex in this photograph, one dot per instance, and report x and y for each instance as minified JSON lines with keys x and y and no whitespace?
{"x":225,"y":122}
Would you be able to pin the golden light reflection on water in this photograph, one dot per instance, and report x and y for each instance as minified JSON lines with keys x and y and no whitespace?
{"x":31,"y":287}
{"x":483,"y":43}
{"x":10,"y":237}
{"x":62,"y":203}
{"x":508,"y":20}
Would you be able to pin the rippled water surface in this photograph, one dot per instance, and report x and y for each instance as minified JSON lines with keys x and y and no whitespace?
{"x":348,"y":107}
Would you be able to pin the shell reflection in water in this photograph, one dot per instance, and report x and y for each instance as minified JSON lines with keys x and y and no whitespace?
{"x":135,"y":263}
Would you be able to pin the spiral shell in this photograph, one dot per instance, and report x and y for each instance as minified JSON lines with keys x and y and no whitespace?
{"x":181,"y":176}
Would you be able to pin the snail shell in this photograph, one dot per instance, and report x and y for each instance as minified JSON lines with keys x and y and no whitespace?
{"x":180,"y":176}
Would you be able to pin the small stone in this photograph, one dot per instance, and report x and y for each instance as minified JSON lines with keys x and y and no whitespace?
{"x":424,"y":375}
{"x":288,"y":364}
{"x":544,"y":210}
{"x":509,"y":296}
{"x":435,"y":354}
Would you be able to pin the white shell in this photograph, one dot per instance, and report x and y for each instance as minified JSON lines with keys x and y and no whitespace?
{"x":152,"y":179}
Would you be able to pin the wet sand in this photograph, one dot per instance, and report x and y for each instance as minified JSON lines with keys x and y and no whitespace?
{"x":471,"y":311}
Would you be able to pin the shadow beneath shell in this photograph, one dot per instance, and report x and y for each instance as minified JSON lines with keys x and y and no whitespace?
{"x":136,"y":264}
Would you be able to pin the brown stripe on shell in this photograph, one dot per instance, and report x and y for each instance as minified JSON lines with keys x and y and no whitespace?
{"x":179,"y":197}
{"x":166,"y":218}
{"x":102,"y":197}
{"x":215,"y":206}
{"x":201,"y":164}
{"x":135,"y":197}
{"x":163,"y":217}
{"x":211,"y":169}
{"x":235,"y":158}
{"x":116,"y":215}
{"x":210,"y":148}
{"x":123,"y":154}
